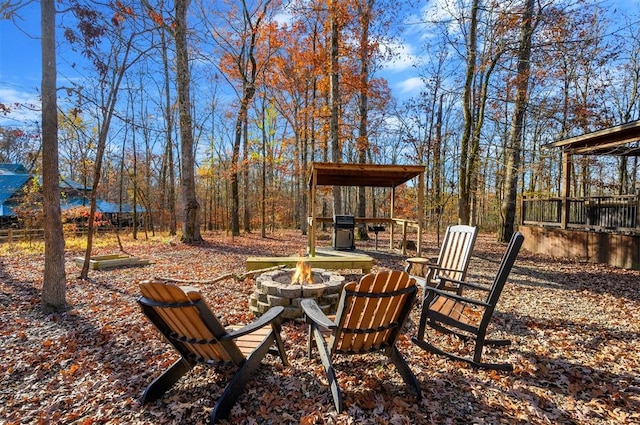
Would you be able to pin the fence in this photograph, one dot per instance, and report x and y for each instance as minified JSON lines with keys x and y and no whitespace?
{"x":17,"y":235}
{"x":616,"y":212}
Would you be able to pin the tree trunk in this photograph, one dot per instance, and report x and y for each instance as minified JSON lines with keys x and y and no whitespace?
{"x":245,"y":172}
{"x":363,"y":128}
{"x":54,"y":286}
{"x":513,"y":154}
{"x":334,"y":103}
{"x":171,"y":195}
{"x":191,"y":207}
{"x":464,"y":204}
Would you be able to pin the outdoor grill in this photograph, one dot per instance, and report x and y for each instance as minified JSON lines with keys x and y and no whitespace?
{"x":344,"y":232}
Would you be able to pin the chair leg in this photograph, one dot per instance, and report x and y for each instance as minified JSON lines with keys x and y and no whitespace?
{"x":236,"y":386}
{"x":162,"y":383}
{"x":437,"y":326}
{"x":406,"y":373}
{"x":310,"y":341}
{"x":325,"y":357}
{"x":475,"y":363}
{"x":422,"y":324}
{"x":498,"y":342}
{"x":279,"y":344}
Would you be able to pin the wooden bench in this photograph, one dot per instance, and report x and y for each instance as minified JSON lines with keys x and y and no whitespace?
{"x":330,"y":262}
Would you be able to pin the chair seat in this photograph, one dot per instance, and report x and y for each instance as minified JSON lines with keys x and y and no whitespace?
{"x":248,"y":343}
{"x":457,"y":311}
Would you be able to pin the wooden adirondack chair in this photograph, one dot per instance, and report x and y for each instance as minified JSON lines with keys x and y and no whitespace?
{"x":452,"y":262}
{"x":369,"y":318}
{"x":465,"y":317}
{"x":187,"y":322}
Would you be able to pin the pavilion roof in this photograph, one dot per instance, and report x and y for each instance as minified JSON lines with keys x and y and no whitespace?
{"x":620,"y":140}
{"x":372,"y":175}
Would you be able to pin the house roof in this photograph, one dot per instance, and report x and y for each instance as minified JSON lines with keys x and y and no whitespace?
{"x":14,"y":176}
{"x":10,"y":184}
{"x":12,"y":169}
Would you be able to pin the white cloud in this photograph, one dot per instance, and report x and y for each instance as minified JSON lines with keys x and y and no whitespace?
{"x":403,"y":58}
{"x":283,"y":18}
{"x":410,"y":85}
{"x":24,"y":107}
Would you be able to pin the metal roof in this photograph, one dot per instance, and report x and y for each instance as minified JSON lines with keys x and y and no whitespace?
{"x":373,"y":175}
{"x":10,"y":184}
{"x":13,"y":169}
{"x":609,"y":141}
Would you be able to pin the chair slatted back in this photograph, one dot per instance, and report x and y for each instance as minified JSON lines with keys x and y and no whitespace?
{"x":506,"y":264}
{"x":371,"y":313}
{"x":187,"y":322}
{"x":456,"y":250}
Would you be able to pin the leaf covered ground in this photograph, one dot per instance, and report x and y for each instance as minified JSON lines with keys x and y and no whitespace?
{"x":575,"y":329}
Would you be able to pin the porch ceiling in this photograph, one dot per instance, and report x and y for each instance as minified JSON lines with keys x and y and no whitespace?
{"x":609,"y":141}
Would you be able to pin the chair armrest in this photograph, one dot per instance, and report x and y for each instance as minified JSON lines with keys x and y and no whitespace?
{"x":420,"y":281}
{"x":443,"y":269}
{"x":272,"y":314}
{"x":315,"y":315}
{"x":463,"y":283}
{"x":456,"y":297}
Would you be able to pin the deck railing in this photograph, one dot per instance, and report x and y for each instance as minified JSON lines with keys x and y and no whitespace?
{"x":598,"y":213}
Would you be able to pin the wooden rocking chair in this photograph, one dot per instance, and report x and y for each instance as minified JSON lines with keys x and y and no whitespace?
{"x":452,"y":262}
{"x":187,"y":322}
{"x":465,"y":317}
{"x":370,"y":317}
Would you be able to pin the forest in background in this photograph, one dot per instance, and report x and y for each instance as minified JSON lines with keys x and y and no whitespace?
{"x":276,"y":85}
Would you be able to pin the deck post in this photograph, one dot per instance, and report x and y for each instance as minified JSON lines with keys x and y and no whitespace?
{"x":565,"y":188}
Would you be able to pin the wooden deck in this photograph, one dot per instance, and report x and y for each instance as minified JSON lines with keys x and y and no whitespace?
{"x":324,"y":259}
{"x":102,"y":262}
{"x":596,"y":247}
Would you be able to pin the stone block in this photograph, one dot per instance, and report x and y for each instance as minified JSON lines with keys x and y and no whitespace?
{"x":271,"y":288}
{"x":292,"y":312}
{"x":290,"y":291}
{"x":313,"y":291}
{"x":273,"y":301}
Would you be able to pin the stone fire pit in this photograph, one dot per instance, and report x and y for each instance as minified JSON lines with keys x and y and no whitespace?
{"x":274,"y":288}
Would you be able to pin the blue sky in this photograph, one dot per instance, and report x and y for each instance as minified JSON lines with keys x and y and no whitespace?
{"x":20,"y":69}
{"x":20,"y":60}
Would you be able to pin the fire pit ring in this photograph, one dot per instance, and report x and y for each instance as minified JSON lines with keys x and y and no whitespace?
{"x":274,"y":288}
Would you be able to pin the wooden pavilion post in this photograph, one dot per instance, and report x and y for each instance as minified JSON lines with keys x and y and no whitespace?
{"x":391,"y":212}
{"x":420,"y":213}
{"x":565,"y":188}
{"x":311,"y":214}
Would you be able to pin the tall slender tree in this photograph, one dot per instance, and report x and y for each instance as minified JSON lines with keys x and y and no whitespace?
{"x":191,"y":207}
{"x":55,"y":281}
{"x":514,"y":154}
{"x":466,"y":159}
{"x":334,"y":96}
